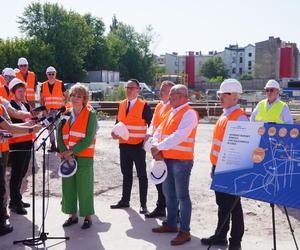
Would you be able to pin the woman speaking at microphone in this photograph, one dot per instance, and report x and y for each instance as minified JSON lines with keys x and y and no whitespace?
{"x":76,"y":138}
{"x":20,"y":149}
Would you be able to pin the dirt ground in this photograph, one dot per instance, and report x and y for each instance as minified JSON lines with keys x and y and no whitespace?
{"x":108,"y":181}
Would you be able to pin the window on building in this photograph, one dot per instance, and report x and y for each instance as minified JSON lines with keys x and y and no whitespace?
{"x":233,"y":59}
{"x":175,"y":72}
{"x":250,"y":63}
{"x":241,"y":59}
{"x":233,"y":71}
{"x":250,"y":54}
{"x":176,"y":63}
{"x":240,"y":71}
{"x":249,"y":68}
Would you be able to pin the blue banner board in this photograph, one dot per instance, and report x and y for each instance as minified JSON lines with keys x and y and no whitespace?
{"x":260,"y":161}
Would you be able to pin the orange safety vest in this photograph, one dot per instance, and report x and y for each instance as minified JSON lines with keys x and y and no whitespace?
{"x":4,"y":147}
{"x":2,"y":80}
{"x":4,"y":94}
{"x":134,"y":122}
{"x":159,"y":115}
{"x":30,"y":82}
{"x":185,"y":149}
{"x":54,"y":100}
{"x":219,"y":131}
{"x":74,"y":133}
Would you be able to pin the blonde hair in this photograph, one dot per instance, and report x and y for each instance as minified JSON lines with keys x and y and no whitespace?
{"x":168,"y":83}
{"x":80,"y":89}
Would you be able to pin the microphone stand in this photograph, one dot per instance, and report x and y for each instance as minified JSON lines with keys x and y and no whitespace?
{"x":43,"y":236}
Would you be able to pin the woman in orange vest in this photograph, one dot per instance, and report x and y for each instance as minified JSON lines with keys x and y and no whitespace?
{"x":29,"y":78}
{"x":53,"y":96}
{"x":8,"y":74}
{"x":20,"y":149}
{"x":76,"y":138}
{"x":160,"y":112}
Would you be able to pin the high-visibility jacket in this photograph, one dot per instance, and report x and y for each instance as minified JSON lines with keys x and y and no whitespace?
{"x":134,"y":122}
{"x":4,"y":94}
{"x":20,"y":137}
{"x":54,"y":100}
{"x":77,"y":131}
{"x":30,"y":83}
{"x":2,"y":80}
{"x":160,"y":114}
{"x":4,"y":147}
{"x":184,"y":150}
{"x":219,"y":131}
{"x":271,"y":115}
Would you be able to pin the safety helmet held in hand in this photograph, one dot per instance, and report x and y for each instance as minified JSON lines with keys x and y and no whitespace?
{"x":67,"y":168}
{"x":158,"y":172}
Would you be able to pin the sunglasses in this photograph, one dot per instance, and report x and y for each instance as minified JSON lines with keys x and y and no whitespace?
{"x":23,"y":66}
{"x":270,"y":90}
{"x":50,"y":74}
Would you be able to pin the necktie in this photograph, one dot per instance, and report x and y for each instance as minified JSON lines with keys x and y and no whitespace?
{"x":128,"y":106}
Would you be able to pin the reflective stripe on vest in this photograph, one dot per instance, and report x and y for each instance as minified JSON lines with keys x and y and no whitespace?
{"x":3,"y":93}
{"x":219,"y":131}
{"x":184,"y":150}
{"x":4,"y":147}
{"x":30,"y":82}
{"x":159,"y":114}
{"x":134,"y":122}
{"x":272,"y":114}
{"x":77,"y":131}
{"x":54,"y":100}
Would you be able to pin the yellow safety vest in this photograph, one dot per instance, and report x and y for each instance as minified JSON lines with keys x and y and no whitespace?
{"x":271,"y":115}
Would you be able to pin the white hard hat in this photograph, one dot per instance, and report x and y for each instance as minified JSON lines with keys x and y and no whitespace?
{"x":50,"y":69}
{"x":22,"y":61}
{"x":67,"y":168}
{"x":16,"y":70}
{"x":158,"y":172}
{"x":148,"y":144}
{"x":121,"y":130}
{"x":9,"y":72}
{"x":15,"y":82}
{"x":272,"y":84}
{"x":230,"y":86}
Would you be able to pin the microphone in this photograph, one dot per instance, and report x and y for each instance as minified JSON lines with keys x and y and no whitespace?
{"x":38,"y":109}
{"x":61,"y":110}
{"x":46,"y":121}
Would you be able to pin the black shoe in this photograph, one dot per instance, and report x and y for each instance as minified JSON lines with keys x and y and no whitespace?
{"x":120,"y":204}
{"x":143,"y":210}
{"x":212,"y":240}
{"x":19,"y":209}
{"x":25,"y":204}
{"x":5,"y":228}
{"x":86,"y":224}
{"x":70,"y":222}
{"x":157,"y":212}
{"x":236,"y":246}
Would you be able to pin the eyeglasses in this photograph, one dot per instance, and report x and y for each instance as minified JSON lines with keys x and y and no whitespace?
{"x":270,"y":90}
{"x":130,"y":88}
{"x":219,"y":94}
{"x":77,"y":96}
{"x":23,"y":65}
{"x":50,"y":74}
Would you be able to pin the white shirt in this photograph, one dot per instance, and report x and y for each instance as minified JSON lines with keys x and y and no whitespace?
{"x":188,"y":122}
{"x":132,"y":102}
{"x":151,"y":127}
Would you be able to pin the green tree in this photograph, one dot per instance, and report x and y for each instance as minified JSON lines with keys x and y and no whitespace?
{"x":214,"y":67}
{"x":246,"y":76}
{"x":66,"y":31}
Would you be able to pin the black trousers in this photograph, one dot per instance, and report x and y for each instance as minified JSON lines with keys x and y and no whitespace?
{"x":161,"y":201}
{"x":230,"y":204}
{"x":130,"y":154}
{"x":2,"y":191}
{"x":19,"y":166}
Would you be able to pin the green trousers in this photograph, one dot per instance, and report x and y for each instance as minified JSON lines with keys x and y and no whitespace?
{"x":79,"y":187}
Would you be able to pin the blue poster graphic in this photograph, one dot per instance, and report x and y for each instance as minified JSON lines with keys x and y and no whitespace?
{"x":271,"y":172}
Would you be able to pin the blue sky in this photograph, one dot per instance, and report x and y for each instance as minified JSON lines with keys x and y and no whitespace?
{"x":184,"y":25}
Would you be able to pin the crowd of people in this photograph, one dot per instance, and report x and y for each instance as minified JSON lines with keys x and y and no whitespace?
{"x":171,"y":131}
